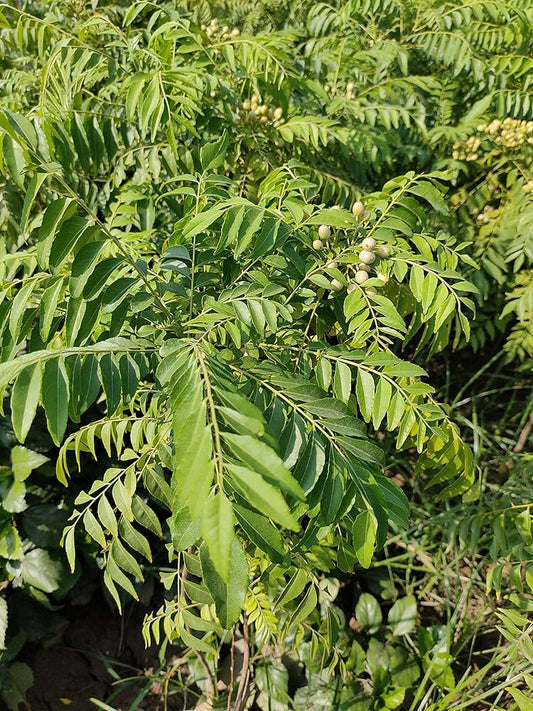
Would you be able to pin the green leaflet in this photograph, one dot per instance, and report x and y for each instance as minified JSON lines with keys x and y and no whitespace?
{"x":364,"y":537}
{"x":396,"y":502}
{"x":84,"y":384}
{"x":83,"y":266}
{"x":311,"y":462}
{"x":193,"y":463}
{"x":24,"y":399}
{"x":429,"y":192}
{"x":24,"y":461}
{"x":184,"y":530}
{"x":55,"y":396}
{"x":125,"y":560}
{"x":342,"y":382}
{"x":261,"y":532}
{"x":106,"y":516}
{"x":263,"y":459}
{"x":304,"y":609}
{"x":365,"y":392}
{"x":48,"y":306}
{"x":19,"y":127}
{"x":145,"y":516}
{"x":56,"y":213}
{"x":262,"y":495}
{"x":292,"y":589}
{"x":218,"y":532}
{"x":228,"y":597}
{"x":18,"y":309}
{"x":331,"y":488}
{"x":381,"y":402}
{"x":212,"y":154}
{"x":72,"y":232}
{"x":93,"y":528}
{"x":111,"y":382}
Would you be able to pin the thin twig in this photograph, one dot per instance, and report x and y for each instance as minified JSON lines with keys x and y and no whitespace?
{"x":231,"y":671}
{"x":242,"y":691}
{"x":211,"y":686}
{"x":524,"y":435}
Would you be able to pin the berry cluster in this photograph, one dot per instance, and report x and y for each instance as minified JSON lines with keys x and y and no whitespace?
{"x":213,"y":31}
{"x":483,"y":217}
{"x":350,"y":93}
{"x":466,"y":150}
{"x":369,"y":250}
{"x":334,"y":90}
{"x":253,"y":111}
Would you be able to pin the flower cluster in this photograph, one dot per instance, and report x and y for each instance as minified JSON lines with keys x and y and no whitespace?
{"x":509,"y":133}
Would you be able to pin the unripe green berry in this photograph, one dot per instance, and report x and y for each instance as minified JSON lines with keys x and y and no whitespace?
{"x":383,"y":251}
{"x":336,"y":285}
{"x":366,"y":256}
{"x":324,"y":232}
{"x":278,"y":112}
{"x":361,"y":277}
{"x":318,"y":244}
{"x":350,"y":288}
{"x":369,"y":243}
{"x":383,"y":277}
{"x":363,"y":267}
{"x":358,"y":208}
{"x":371,"y":291}
{"x":331,"y":265}
{"x":366,"y":215}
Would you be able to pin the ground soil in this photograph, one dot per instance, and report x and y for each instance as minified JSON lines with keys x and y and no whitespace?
{"x":73,"y":670}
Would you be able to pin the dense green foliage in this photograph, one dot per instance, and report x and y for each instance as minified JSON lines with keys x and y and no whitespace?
{"x":236,"y":261}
